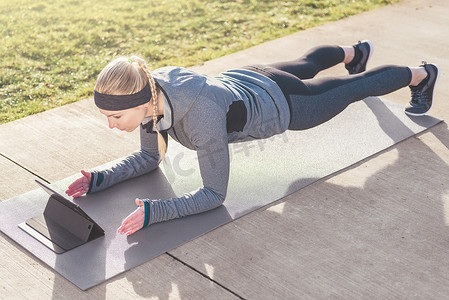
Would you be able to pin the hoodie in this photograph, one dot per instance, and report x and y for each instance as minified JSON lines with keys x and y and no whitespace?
{"x":205,"y":114}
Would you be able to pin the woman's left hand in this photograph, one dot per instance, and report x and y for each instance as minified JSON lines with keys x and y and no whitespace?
{"x":134,"y":221}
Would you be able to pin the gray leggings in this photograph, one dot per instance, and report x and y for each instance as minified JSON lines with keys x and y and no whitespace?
{"x":313,"y":101}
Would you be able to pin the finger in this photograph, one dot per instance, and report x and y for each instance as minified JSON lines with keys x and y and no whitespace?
{"x":130,"y":223}
{"x":82,"y":180}
{"x":139,"y":202}
{"x":131,"y":232}
{"x":138,"y":212}
{"x":123,"y":227}
{"x":80,"y":193}
{"x":81,"y":189}
{"x":128,"y":229}
{"x":70,"y":192}
{"x":74,"y":184}
{"x":126,"y":223}
{"x":78,"y":184}
{"x":88,"y":175}
{"x":133,"y":229}
{"x":133,"y":221}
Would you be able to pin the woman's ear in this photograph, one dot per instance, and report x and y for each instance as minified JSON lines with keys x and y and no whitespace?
{"x":145,"y":107}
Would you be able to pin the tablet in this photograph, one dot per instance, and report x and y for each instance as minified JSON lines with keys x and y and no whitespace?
{"x":63,"y":225}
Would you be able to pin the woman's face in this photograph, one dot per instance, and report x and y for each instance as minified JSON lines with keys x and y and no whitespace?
{"x":126,"y":120}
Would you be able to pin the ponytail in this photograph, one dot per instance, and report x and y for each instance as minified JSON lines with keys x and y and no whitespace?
{"x":161,"y":145}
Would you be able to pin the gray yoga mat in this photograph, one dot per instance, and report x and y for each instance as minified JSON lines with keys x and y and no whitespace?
{"x":262,"y":171}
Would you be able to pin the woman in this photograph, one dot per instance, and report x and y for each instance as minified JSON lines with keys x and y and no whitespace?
{"x":207,"y":113}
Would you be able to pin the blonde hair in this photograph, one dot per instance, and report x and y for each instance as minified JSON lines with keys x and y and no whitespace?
{"x":126,"y":76}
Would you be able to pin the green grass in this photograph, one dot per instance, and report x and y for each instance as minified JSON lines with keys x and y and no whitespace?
{"x":53,"y":50}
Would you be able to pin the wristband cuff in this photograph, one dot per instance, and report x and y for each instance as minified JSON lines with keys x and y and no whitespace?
{"x":91,"y":181}
{"x":147,"y":213}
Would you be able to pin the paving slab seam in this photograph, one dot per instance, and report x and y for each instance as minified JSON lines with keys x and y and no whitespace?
{"x":204,"y":275}
{"x":26,"y":169}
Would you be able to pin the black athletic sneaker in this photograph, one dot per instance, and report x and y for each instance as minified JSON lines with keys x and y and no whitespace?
{"x":422,"y":94}
{"x":358,"y":65}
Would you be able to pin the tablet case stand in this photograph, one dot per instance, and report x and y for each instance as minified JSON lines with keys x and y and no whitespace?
{"x":63,"y":225}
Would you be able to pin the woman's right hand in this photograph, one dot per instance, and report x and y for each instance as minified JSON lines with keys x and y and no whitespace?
{"x":80,"y":186}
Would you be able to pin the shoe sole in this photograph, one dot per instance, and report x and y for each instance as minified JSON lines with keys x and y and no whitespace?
{"x":371,"y":50}
{"x":433,"y":93}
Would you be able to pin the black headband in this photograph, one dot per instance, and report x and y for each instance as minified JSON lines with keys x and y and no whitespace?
{"x":122,"y":102}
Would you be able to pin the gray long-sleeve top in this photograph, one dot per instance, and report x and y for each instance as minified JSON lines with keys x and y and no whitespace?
{"x":205,"y":114}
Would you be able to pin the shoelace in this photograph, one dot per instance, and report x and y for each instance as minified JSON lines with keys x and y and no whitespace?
{"x":420,"y":97}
